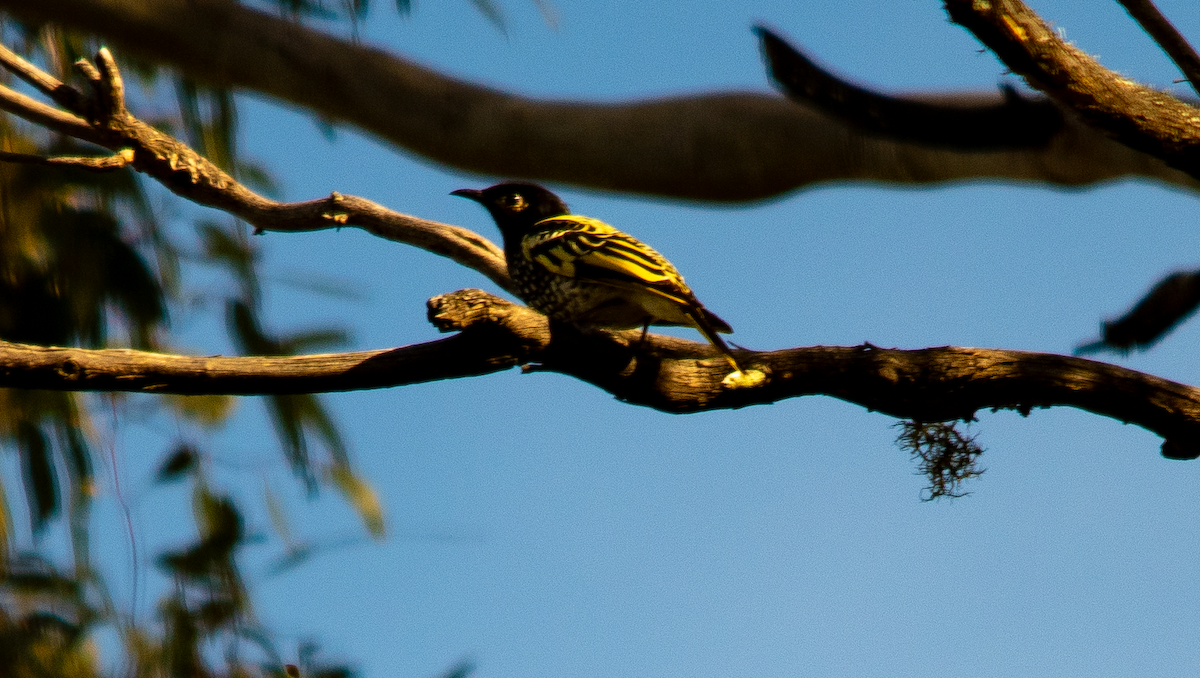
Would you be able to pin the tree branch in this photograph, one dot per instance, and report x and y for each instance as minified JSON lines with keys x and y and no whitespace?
{"x":1016,"y":122}
{"x":105,"y":164}
{"x":668,"y":374}
{"x":712,"y":147}
{"x":1164,"y":33}
{"x":192,"y":176}
{"x":64,"y":95}
{"x":1142,"y":118}
{"x":47,"y":116}
{"x":665,"y":373}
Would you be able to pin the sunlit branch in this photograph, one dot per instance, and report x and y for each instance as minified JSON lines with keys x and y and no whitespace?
{"x":105,"y":164}
{"x":1140,"y":117}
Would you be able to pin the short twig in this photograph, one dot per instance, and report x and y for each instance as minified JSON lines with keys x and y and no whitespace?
{"x":105,"y":164}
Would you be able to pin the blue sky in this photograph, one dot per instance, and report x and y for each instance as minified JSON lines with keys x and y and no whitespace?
{"x":540,"y":528}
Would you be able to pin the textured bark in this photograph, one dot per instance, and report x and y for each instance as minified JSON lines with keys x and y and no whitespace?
{"x":1142,"y":118}
{"x":666,"y":373}
{"x":713,"y":147}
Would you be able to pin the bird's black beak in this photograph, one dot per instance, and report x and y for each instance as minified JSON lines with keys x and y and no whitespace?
{"x":469,"y":194}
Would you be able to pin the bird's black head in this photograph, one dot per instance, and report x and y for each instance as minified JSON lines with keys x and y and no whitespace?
{"x":516,"y":206}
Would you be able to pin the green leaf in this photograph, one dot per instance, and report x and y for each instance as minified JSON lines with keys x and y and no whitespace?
{"x":47,"y":583}
{"x":460,"y":670}
{"x":294,"y":415}
{"x":79,"y":459}
{"x":257,"y":178}
{"x":5,"y":528}
{"x":491,"y":11}
{"x":231,"y":249}
{"x":93,"y":267}
{"x":41,"y":482}
{"x":335,"y":287}
{"x":183,"y":461}
{"x":362,"y":497}
{"x":209,"y":411}
{"x":315,"y":340}
{"x":278,"y":516}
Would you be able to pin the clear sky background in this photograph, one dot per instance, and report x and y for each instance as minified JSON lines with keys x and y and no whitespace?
{"x":541,"y":529}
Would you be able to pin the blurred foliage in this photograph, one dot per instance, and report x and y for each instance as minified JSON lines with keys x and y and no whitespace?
{"x":1169,"y":303}
{"x":85,"y":260}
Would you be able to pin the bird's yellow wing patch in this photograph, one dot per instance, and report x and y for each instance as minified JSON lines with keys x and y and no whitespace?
{"x":589,"y":249}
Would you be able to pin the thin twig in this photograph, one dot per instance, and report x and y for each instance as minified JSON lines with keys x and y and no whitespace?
{"x":1165,"y":34}
{"x":105,"y":164}
{"x":61,"y":93}
{"x":47,"y":116}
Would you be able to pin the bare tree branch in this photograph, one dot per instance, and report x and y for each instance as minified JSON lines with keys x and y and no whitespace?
{"x":1167,"y":37}
{"x":47,"y":116}
{"x":64,"y":95}
{"x":1015,"y":122}
{"x":1171,"y":301}
{"x":105,"y":164}
{"x":666,"y":373}
{"x":1142,"y":118}
{"x":194,"y":177}
{"x":712,"y":147}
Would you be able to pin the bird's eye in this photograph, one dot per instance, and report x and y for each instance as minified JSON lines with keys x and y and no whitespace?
{"x":514,"y":202}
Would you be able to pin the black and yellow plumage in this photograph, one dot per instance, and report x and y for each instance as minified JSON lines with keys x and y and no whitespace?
{"x":582,"y":271}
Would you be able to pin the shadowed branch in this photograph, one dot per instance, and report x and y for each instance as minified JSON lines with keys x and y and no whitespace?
{"x":1012,"y":123}
{"x":717,"y":147}
{"x":665,"y":373}
{"x":1171,"y":301}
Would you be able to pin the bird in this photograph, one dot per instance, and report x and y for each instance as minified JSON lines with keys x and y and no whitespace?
{"x":581,"y":271}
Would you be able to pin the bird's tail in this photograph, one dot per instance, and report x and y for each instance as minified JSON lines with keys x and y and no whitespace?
{"x":701,"y":320}
{"x":715,"y":321}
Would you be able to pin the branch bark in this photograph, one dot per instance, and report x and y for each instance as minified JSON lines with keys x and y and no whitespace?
{"x":665,"y":373}
{"x":1144,"y":119}
{"x":730,"y":146}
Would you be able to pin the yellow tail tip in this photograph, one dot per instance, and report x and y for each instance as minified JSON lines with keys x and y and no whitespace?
{"x":744,"y":379}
